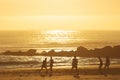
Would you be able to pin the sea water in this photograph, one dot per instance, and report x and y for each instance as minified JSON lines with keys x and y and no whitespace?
{"x":57,"y":40}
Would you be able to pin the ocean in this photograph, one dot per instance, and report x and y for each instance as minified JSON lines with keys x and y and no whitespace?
{"x":54,"y":39}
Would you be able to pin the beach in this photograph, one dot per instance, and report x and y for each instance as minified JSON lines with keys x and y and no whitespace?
{"x":67,"y":77}
{"x":85,"y":73}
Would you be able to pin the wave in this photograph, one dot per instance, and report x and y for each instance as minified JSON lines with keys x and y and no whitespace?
{"x":18,"y":63}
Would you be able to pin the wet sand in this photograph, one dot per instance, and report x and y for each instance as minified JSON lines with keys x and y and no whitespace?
{"x":85,"y":73}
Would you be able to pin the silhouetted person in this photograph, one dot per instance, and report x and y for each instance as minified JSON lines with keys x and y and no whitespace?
{"x":51,"y":65}
{"x":74,"y":64}
{"x":107,"y":63}
{"x":101,"y":63}
{"x":44,"y":65}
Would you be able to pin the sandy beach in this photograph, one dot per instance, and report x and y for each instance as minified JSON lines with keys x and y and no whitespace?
{"x":66,"y":77}
{"x":85,"y":73}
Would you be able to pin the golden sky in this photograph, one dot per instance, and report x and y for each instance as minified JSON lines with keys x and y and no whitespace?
{"x":60,"y":14}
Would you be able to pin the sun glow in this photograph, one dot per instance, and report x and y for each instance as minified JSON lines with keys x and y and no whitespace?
{"x":58,"y":36}
{"x":58,"y":31}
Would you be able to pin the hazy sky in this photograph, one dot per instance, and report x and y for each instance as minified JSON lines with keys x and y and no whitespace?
{"x":60,"y":14}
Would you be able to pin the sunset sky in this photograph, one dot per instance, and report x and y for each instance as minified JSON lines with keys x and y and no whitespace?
{"x":60,"y":14}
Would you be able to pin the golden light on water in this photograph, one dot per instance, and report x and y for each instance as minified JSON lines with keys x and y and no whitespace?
{"x":59,"y":36}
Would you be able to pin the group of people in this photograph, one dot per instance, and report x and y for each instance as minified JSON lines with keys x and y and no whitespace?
{"x":107,"y":63}
{"x":51,"y":61}
{"x":74,"y":64}
{"x":44,"y":65}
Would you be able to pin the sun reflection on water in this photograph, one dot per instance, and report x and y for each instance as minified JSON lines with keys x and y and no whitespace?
{"x":59,"y":36}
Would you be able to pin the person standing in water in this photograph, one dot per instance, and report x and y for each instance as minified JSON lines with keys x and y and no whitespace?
{"x":44,"y":65}
{"x":51,"y":65}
